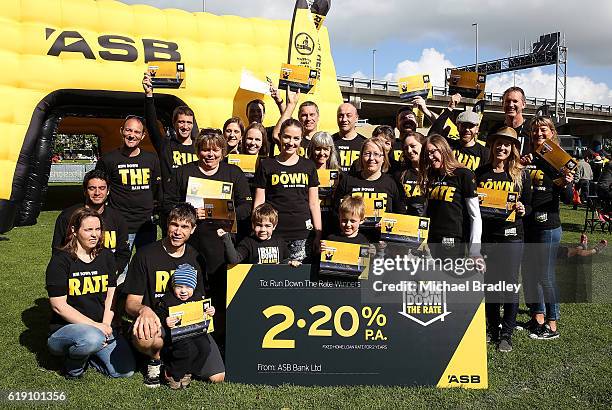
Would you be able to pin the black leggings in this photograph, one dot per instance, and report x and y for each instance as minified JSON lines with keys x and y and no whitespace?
{"x":187,"y":356}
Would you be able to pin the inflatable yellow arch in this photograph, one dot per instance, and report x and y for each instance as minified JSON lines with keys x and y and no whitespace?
{"x":85,"y":58}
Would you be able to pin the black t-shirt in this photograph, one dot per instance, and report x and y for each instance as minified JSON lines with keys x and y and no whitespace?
{"x":84,"y":284}
{"x":414,"y":200}
{"x":359,"y":239}
{"x":348,"y":151}
{"x":205,"y":238}
{"x":446,"y":203}
{"x":134,"y":183}
{"x":151,"y":270}
{"x":472,"y":157}
{"x":544,"y":199}
{"x":497,"y":229}
{"x":172,"y":154}
{"x":271,"y":251}
{"x":115,"y":233}
{"x":287,"y":191}
{"x":384,"y":188}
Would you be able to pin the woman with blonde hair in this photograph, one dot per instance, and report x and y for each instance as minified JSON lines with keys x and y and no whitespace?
{"x":451,"y":194}
{"x":374,"y":185}
{"x":543,"y":227}
{"x":504,"y":239}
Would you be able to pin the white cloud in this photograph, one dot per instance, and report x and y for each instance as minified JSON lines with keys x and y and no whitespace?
{"x":431,"y":62}
{"x":359,"y":74}
{"x":535,"y":82}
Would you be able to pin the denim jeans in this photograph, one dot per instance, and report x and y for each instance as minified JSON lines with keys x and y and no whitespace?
{"x":539,"y":275}
{"x":503,"y":264}
{"x":80,"y":344}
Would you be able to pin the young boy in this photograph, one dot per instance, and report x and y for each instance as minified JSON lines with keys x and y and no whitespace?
{"x":351,"y":213}
{"x":185,"y":356}
{"x":261,"y":247}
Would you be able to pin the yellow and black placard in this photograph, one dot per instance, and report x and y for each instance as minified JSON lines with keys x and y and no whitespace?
{"x":556,"y":157}
{"x":247,"y":163}
{"x":404,"y":228}
{"x":414,"y":86}
{"x":167,"y":74}
{"x":374,"y":208}
{"x":192,"y":319}
{"x":284,"y":326}
{"x":345,"y":259}
{"x":297,"y":77}
{"x":328,"y":178}
{"x":200,"y":188}
{"x":467,"y":83}
{"x":497,"y":203}
{"x":221,"y":212}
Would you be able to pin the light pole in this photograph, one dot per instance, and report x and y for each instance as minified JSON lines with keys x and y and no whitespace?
{"x":373,"y":64}
{"x":476,"y":65}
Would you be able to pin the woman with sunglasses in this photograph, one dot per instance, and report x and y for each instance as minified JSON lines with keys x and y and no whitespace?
{"x":451,"y":196}
{"x":379,"y":191}
{"x":290,"y":183}
{"x":543,"y":233}
{"x":80,"y":280}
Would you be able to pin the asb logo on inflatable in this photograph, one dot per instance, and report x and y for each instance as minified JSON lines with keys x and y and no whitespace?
{"x":114,"y":47}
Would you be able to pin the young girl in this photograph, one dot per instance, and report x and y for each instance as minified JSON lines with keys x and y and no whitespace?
{"x":80,"y":281}
{"x":451,"y":194}
{"x":233,"y":130}
{"x":504,"y":240}
{"x":290,"y":184}
{"x":543,"y":226}
{"x":373,"y":184}
{"x":408,"y":174}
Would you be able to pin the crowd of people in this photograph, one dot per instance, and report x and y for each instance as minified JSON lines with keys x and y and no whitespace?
{"x":110,"y":309}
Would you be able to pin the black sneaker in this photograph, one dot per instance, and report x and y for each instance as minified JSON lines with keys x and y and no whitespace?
{"x":151,"y":377}
{"x":530,"y":325}
{"x":548,"y":334}
{"x":505,"y":345}
{"x":492,"y":335}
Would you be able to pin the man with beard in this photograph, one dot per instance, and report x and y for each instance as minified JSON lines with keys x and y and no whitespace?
{"x":467,"y":149}
{"x":95,"y":189}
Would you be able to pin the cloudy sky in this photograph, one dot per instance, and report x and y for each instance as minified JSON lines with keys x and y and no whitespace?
{"x":412,"y":37}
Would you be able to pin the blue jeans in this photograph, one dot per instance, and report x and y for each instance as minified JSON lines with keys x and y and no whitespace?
{"x":539,"y":275}
{"x":80,"y":344}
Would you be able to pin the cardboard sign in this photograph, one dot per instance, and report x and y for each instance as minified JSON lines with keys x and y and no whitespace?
{"x":216,"y":198}
{"x":222,"y":212}
{"x":193,"y":319}
{"x":404,"y":228}
{"x":414,"y":86}
{"x":496,"y":203}
{"x":247,"y":163}
{"x":286,"y":326}
{"x":297,"y":77}
{"x":167,"y":74}
{"x":467,"y":83}
{"x":556,"y":157}
{"x":345,"y":259}
{"x":328,"y":178}
{"x":374,"y":209}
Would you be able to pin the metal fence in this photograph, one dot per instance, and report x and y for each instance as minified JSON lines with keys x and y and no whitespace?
{"x":69,"y":172}
{"x":391,"y":86}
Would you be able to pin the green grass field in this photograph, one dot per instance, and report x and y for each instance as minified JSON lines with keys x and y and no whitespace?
{"x":574,"y":371}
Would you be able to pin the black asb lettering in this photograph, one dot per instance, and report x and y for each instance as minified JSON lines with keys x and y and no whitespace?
{"x":153,"y":48}
{"x":79,"y":46}
{"x":118,"y":43}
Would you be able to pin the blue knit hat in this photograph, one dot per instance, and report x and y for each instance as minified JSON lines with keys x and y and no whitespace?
{"x":185,"y":274}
